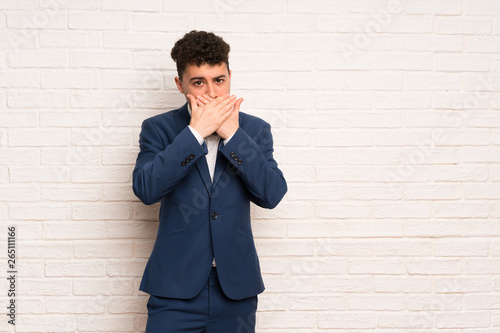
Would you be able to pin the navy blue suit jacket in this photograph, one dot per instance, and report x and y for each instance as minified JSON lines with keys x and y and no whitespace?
{"x":200,"y":220}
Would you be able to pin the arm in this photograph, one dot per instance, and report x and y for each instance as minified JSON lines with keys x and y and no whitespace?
{"x":255,"y":165}
{"x":160,"y":166}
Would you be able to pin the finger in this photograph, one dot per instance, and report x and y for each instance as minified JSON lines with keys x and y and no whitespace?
{"x":192,"y":102}
{"x":237,"y":104}
{"x":202,"y":99}
{"x":208,"y":97}
{"x":225,"y":104}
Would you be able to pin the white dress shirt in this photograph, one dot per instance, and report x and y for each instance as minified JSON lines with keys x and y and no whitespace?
{"x":212,"y":142}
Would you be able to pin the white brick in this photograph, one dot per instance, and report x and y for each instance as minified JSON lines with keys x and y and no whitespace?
{"x":71,"y":156}
{"x":370,"y":266}
{"x":483,"y":44}
{"x":394,"y":248}
{"x":328,"y":174}
{"x":37,"y":20}
{"x":405,"y":100}
{"x":40,"y":212}
{"x":37,"y":99}
{"x":471,"y":319}
{"x":119,"y":156}
{"x":285,"y":247}
{"x":371,"y":119}
{"x":419,"y":320}
{"x":19,"y":156}
{"x":73,"y":4}
{"x":153,"y":60}
{"x":341,"y":100}
{"x":132,"y":80}
{"x":87,"y":305}
{"x":69,"y":39}
{"x":224,"y":9}
{"x":131,"y":5}
{"x":103,"y":249}
{"x":461,"y":63}
{"x":18,"y":118}
{"x":71,"y":192}
{"x":121,"y":305}
{"x":376,"y":302}
{"x":441,"y":7}
{"x":402,"y":210}
{"x":481,"y":155}
{"x":434,"y":228}
{"x":117,"y":192}
{"x":482,"y":191}
{"x":316,"y":229}
{"x":463,"y":25}
{"x":315,"y":43}
{"x":377,"y":156}
{"x":434,"y":191}
{"x":482,"y":302}
{"x":106,"y":323}
{"x":465,"y":284}
{"x":101,"y":137}
{"x":17,"y":4}
{"x":374,"y":228}
{"x":460,"y":209}
{"x":293,"y":320}
{"x":350,"y":320}
{"x":345,"y":210}
{"x":288,"y":23}
{"x":481,"y":7}
{"x":403,"y":137}
{"x":414,"y":62}
{"x":462,"y":248}
{"x":481,"y":227}
{"x":374,"y":192}
{"x":316,"y":302}
{"x":88,"y":118}
{"x":88,"y":268}
{"x":27,"y":174}
{"x":101,"y":99}
{"x":129,"y":268}
{"x":19,"y":193}
{"x":460,"y":173}
{"x":250,"y":43}
{"x":74,"y":230}
{"x":103,"y":287}
{"x":316,"y":266}
{"x":435,"y":43}
{"x":430,"y":155}
{"x":68,"y":79}
{"x":47,"y":249}
{"x":133,"y":41}
{"x":326,"y":155}
{"x":342,"y":138}
{"x":433,"y":82}
{"x":405,"y":173}
{"x":101,"y":211}
{"x":37,"y":59}
{"x":429,"y":119}
{"x":315,"y":6}
{"x":19,"y":79}
{"x":98,"y":21}
{"x":344,"y":284}
{"x":47,"y":323}
{"x":482,"y":266}
{"x":403,"y":284}
{"x":327,"y":192}
{"x":166,"y":23}
{"x":38,"y":137}
{"x":95,"y":59}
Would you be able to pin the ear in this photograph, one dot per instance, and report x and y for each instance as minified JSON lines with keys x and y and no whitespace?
{"x":178,"y":82}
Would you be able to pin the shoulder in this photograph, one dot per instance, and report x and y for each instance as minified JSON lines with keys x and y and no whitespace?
{"x":252,"y":125}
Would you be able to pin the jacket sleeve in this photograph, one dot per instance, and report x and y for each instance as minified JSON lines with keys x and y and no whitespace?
{"x":161,"y":165}
{"x":253,"y":161}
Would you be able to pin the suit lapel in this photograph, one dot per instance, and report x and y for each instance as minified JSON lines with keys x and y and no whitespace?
{"x":220,"y":163}
{"x":182,"y":120}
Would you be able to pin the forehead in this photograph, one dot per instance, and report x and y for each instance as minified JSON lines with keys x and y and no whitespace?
{"x":205,"y":71}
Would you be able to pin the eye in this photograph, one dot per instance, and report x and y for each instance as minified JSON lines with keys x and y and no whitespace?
{"x":197,"y":83}
{"x":219,"y":80}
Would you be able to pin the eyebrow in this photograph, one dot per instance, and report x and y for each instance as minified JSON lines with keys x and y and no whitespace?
{"x":197,"y":78}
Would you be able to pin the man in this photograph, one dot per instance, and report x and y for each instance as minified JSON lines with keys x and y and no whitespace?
{"x":205,"y":162}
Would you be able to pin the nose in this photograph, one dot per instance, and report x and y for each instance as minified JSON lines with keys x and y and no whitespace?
{"x":211,"y":90}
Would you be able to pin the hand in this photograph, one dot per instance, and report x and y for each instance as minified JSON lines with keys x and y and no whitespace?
{"x":231,"y":124}
{"x":206,"y":118}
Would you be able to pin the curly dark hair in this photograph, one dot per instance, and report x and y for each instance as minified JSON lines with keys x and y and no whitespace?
{"x":198,"y":48}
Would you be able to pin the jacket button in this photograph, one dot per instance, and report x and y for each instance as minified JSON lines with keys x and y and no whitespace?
{"x":183,"y":163}
{"x":236,"y":158}
{"x":240,"y":162}
{"x":232,"y":154}
{"x":215,"y":216}
{"x":191,"y":156}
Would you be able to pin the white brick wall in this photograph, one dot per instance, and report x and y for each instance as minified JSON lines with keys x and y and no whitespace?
{"x":386,"y":125}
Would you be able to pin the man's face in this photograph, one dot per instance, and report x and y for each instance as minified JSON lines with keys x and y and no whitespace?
{"x":214,"y":81}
